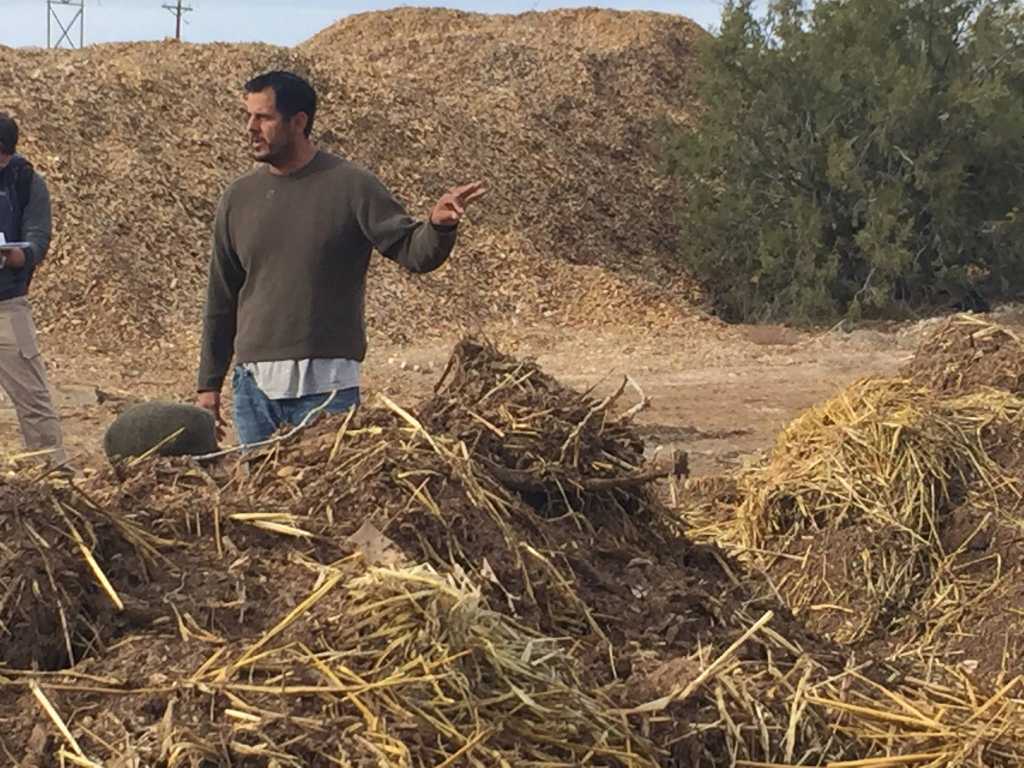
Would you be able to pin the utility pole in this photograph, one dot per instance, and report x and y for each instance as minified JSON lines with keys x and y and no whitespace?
{"x":69,"y":17}
{"x":178,"y":9}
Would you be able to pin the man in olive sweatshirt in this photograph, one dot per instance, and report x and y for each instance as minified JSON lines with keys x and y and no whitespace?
{"x":291,"y":247}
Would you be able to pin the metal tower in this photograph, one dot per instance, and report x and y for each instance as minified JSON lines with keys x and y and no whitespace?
{"x":67,"y":17}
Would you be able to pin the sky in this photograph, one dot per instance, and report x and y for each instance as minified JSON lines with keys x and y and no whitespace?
{"x":269,"y":21}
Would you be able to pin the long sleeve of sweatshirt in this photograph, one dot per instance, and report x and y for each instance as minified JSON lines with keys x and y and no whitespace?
{"x":220,"y":318}
{"x":419,"y":246}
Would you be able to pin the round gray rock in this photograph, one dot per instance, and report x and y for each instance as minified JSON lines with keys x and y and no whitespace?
{"x":140,"y":428}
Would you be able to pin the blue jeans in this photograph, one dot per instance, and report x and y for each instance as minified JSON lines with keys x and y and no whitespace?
{"x":257,"y":417}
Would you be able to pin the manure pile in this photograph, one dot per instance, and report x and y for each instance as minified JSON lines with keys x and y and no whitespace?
{"x":489,"y":577}
{"x":889,"y":520}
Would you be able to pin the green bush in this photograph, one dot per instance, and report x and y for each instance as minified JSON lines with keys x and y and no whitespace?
{"x":856,"y":158}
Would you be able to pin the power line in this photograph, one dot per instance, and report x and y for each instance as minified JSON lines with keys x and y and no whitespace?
{"x":68,"y":16}
{"x":178,"y":9}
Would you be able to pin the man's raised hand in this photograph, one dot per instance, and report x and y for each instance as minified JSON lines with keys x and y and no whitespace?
{"x":449,"y":209}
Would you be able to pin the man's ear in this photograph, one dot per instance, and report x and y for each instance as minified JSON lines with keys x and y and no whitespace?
{"x":299,"y":121}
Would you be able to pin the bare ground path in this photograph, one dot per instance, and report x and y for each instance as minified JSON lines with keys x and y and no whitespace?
{"x":722,"y":394}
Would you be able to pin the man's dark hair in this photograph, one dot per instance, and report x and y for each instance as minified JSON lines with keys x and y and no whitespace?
{"x":8,"y":134}
{"x":292,"y":94}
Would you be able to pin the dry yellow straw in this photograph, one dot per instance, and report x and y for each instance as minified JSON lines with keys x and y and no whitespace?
{"x":276,"y":522}
{"x":240,"y":715}
{"x":467,"y":748}
{"x":101,"y":577}
{"x":138,"y":459}
{"x":287,"y":621}
{"x":409,"y":419}
{"x":74,"y":759}
{"x":892,"y":760}
{"x":997,"y":697}
{"x":876,"y":714}
{"x":59,"y":722}
{"x":681,"y":695}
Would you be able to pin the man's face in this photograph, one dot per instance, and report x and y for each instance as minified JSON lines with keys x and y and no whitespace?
{"x":271,"y":136}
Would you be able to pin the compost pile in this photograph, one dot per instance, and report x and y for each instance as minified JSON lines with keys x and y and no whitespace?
{"x":888,"y":520}
{"x":967,"y":352}
{"x":487,"y":577}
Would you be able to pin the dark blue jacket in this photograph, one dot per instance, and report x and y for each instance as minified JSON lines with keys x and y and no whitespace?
{"x":24,"y":216}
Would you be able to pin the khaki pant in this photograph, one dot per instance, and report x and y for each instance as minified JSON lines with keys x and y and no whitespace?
{"x":23,"y":378}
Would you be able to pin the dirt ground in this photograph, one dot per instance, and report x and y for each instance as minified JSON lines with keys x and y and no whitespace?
{"x":720,"y":393}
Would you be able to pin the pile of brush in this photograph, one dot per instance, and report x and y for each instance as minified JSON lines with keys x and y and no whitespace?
{"x":383,"y":588}
{"x":968,"y":352}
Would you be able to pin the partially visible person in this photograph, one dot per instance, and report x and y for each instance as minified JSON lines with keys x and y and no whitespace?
{"x":25,"y":223}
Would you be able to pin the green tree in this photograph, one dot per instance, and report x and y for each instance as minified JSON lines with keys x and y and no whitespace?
{"x":857,"y":157}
